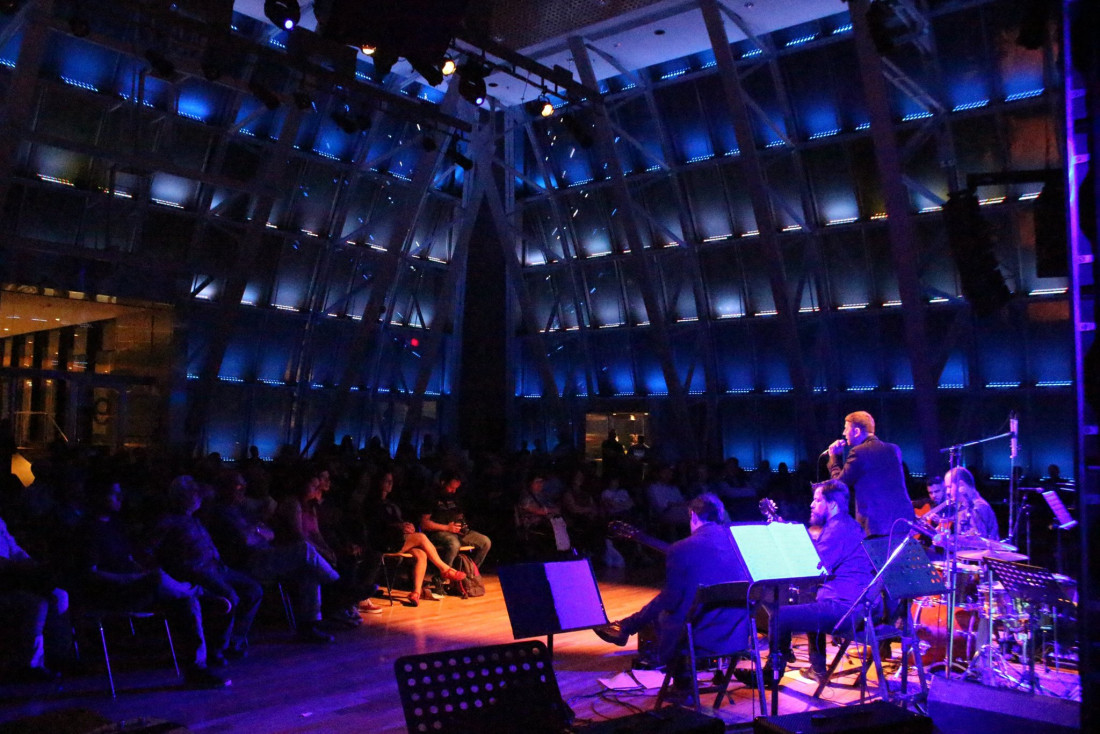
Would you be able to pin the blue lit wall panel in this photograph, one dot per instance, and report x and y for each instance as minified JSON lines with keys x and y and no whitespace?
{"x":866,"y":179}
{"x":78,"y":60}
{"x":546,"y":239}
{"x":709,"y":207}
{"x":830,"y":179}
{"x":938,"y":273}
{"x":739,"y":434}
{"x":775,"y":425}
{"x":716,"y":115}
{"x":349,"y":281}
{"x":760,"y":89}
{"x":1050,"y":353}
{"x":227,"y":421}
{"x":567,"y":364}
{"x":755,"y":267}
{"x":774,"y":372}
{"x":861,"y":336}
{"x":295,"y":271}
{"x":895,"y":356}
{"x":658,"y":199}
{"x":526,"y":372}
{"x":924,"y":168}
{"x":634,"y":118}
{"x":317,"y":188}
{"x":969,"y":77}
{"x":1001,"y":351}
{"x":688,"y":356}
{"x":588,"y":213}
{"x":272,"y":406}
{"x":1048,"y":434}
{"x":174,"y":190}
{"x":605,"y":296}
{"x":740,"y":205}
{"x":678,"y":106}
{"x":46,"y":160}
{"x":847,"y":266}
{"x":733,"y":351}
{"x":722,"y":281}
{"x":567,"y":161}
{"x":612,"y":355}
{"x":650,"y":374}
{"x":812,"y":90}
{"x":677,"y":278}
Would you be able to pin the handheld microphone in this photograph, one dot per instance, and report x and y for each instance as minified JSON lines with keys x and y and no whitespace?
{"x":843,"y":443}
{"x":1014,"y":429}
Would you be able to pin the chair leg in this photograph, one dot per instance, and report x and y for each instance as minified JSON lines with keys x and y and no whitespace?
{"x":664,"y":690}
{"x":761,"y":691}
{"x":288,"y":607}
{"x":106,"y":657}
{"x":172,"y":647}
{"x":832,"y":668}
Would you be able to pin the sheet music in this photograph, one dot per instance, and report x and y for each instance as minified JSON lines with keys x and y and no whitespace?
{"x":1061,"y":514}
{"x":778,"y":550}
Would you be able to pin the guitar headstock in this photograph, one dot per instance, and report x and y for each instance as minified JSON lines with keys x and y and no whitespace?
{"x":769,"y":510}
{"x":620,"y":529}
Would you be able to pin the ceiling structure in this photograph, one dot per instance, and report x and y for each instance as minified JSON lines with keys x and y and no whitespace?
{"x":636,"y":34}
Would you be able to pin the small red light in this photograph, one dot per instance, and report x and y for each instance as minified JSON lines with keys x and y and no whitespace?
{"x":414,"y":342}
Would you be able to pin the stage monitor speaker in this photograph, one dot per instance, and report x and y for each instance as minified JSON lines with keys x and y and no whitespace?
{"x":877,"y":717}
{"x":961,"y":707}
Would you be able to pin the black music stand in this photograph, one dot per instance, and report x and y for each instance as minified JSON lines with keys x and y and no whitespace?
{"x":904,"y":573}
{"x":547,"y":598}
{"x":775,"y":556}
{"x":1033,"y":585}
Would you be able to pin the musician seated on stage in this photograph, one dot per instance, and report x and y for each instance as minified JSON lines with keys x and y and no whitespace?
{"x":849,"y":571}
{"x":707,"y":556}
{"x":976,"y":516}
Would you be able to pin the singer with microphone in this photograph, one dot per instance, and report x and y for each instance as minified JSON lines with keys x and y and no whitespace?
{"x":873,"y":472}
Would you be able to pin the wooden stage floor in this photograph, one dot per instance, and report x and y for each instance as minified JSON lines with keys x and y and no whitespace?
{"x":349,"y":686}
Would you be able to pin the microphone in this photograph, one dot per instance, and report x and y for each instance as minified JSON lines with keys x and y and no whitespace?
{"x":843,"y":442}
{"x":923,"y":530}
{"x":1014,"y":429}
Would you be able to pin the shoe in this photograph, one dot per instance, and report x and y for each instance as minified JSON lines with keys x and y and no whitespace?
{"x":413,"y":599}
{"x":369,"y":607}
{"x":311,"y":633}
{"x":747,"y":677}
{"x":612,"y":632}
{"x":206,"y":679}
{"x":811,"y":675}
{"x":452,"y":574}
{"x":428,"y":595}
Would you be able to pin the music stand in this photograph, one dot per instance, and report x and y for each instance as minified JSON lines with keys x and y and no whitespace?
{"x":905,"y":573}
{"x":776,"y":555}
{"x":548,"y":598}
{"x":1033,"y":585}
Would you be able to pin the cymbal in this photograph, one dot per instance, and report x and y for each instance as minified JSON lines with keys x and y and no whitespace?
{"x":971,"y":543}
{"x":996,"y":555}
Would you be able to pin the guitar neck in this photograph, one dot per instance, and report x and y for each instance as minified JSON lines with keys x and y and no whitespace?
{"x":650,"y":542}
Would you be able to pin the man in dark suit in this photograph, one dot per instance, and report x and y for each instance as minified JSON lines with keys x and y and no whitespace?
{"x":873,"y":473}
{"x":708,"y":556}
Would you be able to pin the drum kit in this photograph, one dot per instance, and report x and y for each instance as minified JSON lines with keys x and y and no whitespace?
{"x":996,"y":614}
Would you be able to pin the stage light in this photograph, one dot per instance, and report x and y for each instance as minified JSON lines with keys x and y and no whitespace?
{"x":283,"y":13}
{"x":367,"y":49}
{"x":449,"y":66}
{"x":545,"y":108}
{"x":471,"y":83}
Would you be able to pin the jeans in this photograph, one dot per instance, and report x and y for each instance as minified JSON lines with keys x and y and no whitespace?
{"x":449,"y":543}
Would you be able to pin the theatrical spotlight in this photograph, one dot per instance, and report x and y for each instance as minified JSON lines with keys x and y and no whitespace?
{"x":457,"y":158}
{"x":283,"y":13}
{"x":449,"y":66}
{"x":540,"y":107}
{"x":471,"y":82}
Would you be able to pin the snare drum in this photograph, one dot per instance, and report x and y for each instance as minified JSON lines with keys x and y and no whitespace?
{"x":967,"y":578}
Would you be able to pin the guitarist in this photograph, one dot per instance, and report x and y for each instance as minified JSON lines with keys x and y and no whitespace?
{"x":707,"y":556}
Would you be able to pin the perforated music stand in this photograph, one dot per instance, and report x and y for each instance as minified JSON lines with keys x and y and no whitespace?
{"x":508,"y":687}
{"x":1033,"y":585}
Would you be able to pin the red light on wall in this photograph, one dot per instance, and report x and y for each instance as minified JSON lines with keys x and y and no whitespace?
{"x":414,"y":342}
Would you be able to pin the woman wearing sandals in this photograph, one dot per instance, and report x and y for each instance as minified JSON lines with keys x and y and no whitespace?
{"x":397,"y":536}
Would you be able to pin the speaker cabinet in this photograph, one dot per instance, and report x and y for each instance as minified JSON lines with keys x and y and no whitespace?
{"x":961,"y":707}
